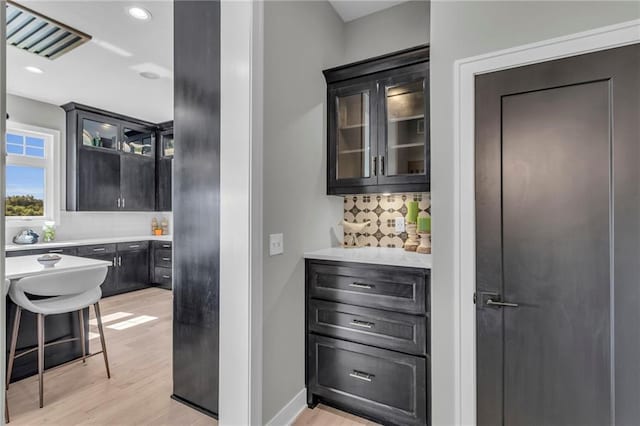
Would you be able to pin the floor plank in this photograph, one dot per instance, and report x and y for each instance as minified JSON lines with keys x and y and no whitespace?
{"x":324,"y":415}
{"x":140,"y":385}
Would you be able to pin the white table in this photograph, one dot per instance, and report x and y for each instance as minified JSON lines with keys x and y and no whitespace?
{"x":28,"y":266}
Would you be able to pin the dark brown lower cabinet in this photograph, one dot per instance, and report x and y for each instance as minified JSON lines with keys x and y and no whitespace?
{"x":133,"y":266}
{"x":369,"y":354}
{"x":162,"y":264}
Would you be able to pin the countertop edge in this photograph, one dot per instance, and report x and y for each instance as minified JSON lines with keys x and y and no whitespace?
{"x":86,"y":242}
{"x":373,"y":256}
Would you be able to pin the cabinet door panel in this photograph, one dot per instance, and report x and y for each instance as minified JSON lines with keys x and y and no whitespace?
{"x":98,"y":180}
{"x":137,"y":181}
{"x":137,"y":140}
{"x":133,"y":270}
{"x":110,"y":285}
{"x":403,"y":131}
{"x":165,"y":170}
{"x":352,"y":135}
{"x":98,"y":132}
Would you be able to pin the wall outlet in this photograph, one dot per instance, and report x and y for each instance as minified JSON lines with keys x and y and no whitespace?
{"x":399,"y":225}
{"x":276,"y":244}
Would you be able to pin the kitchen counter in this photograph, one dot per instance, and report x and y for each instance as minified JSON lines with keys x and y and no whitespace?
{"x":373,"y":255}
{"x":86,"y":242}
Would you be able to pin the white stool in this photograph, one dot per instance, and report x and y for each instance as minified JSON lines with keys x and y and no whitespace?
{"x":69,"y":291}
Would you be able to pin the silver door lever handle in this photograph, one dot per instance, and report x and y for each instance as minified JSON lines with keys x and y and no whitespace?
{"x":492,"y":302}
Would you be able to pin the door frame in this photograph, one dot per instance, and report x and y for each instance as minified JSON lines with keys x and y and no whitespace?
{"x":464,"y":253}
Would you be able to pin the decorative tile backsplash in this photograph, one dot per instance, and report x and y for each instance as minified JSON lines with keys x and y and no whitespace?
{"x":382,"y":211}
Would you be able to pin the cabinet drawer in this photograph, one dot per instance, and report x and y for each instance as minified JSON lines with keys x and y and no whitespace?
{"x":96,"y":249}
{"x":134,"y":245}
{"x":390,"y":330}
{"x":385,"y":287}
{"x":162,"y":275}
{"x":71,"y":251}
{"x":375,"y":382}
{"x":163,"y":258}
{"x":162,"y":245}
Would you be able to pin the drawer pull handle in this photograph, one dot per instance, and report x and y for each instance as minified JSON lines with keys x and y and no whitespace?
{"x":99,"y":249}
{"x":363,"y":324}
{"x":166,"y":259}
{"x":361,"y":285}
{"x":56,"y":251}
{"x":166,"y":246}
{"x":166,"y":276}
{"x":361,"y":376}
{"x":134,"y":245}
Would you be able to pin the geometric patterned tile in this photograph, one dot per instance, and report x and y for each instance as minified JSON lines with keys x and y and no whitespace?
{"x":382,"y":210}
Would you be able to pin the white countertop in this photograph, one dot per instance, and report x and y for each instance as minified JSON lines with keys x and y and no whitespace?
{"x":373,"y":255}
{"x":86,"y":242}
{"x":23,"y":266}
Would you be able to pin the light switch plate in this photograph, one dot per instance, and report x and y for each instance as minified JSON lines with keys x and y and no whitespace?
{"x":276,"y":244}
{"x":399,"y":225}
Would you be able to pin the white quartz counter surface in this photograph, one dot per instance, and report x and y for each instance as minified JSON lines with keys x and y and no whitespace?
{"x":86,"y":242}
{"x":27,"y":266}
{"x":373,"y":255}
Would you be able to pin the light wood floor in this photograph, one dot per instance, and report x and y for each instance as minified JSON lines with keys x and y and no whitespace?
{"x":140,"y":385}
{"x":323,"y":415}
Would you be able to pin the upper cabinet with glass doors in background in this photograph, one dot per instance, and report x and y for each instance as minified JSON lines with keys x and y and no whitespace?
{"x":378,"y":124}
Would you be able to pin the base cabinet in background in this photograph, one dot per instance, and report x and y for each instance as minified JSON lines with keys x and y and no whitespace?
{"x":133,"y":266}
{"x":132,"y":263}
{"x":162,"y":264}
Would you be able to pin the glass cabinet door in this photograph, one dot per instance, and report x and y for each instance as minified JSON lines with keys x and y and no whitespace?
{"x":353,"y":140}
{"x":167,"y":144}
{"x":98,"y":133}
{"x":137,"y":141}
{"x":406,"y":129}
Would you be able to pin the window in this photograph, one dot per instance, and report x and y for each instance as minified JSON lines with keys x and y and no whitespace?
{"x":30,"y":174}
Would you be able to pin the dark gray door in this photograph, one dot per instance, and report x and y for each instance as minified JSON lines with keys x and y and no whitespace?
{"x":558,"y":240}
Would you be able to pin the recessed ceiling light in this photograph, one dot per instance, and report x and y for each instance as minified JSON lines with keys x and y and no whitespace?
{"x":34,"y":70}
{"x":149,"y":75}
{"x":139,"y":13}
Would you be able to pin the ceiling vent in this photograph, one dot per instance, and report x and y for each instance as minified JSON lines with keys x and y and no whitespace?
{"x":29,"y":30}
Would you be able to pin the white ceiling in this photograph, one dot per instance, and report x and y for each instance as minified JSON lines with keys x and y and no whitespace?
{"x":354,"y":9}
{"x":94,"y":75}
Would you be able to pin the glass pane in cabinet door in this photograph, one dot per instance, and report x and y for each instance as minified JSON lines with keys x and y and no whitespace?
{"x":138,"y":142}
{"x":353,"y":136}
{"x":167,"y":145}
{"x":97,"y":134}
{"x":405,"y":129}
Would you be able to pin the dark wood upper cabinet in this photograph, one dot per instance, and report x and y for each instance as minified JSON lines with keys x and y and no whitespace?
{"x":378,"y":124}
{"x":164,"y":167}
{"x":110,"y":161}
{"x":137,"y":183}
{"x":97,"y":181}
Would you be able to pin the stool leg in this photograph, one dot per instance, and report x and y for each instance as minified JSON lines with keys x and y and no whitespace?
{"x":82,"y":344}
{"x":6,"y":409}
{"x":41,"y":357}
{"x":96,"y":307}
{"x":14,"y":342}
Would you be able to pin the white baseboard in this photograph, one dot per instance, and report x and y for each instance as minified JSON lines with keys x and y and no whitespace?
{"x":288,"y":414}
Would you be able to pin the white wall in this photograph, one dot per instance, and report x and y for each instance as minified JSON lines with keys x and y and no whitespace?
{"x":74,"y":225}
{"x":301,"y":39}
{"x":459,"y":30}
{"x":389,"y":30}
